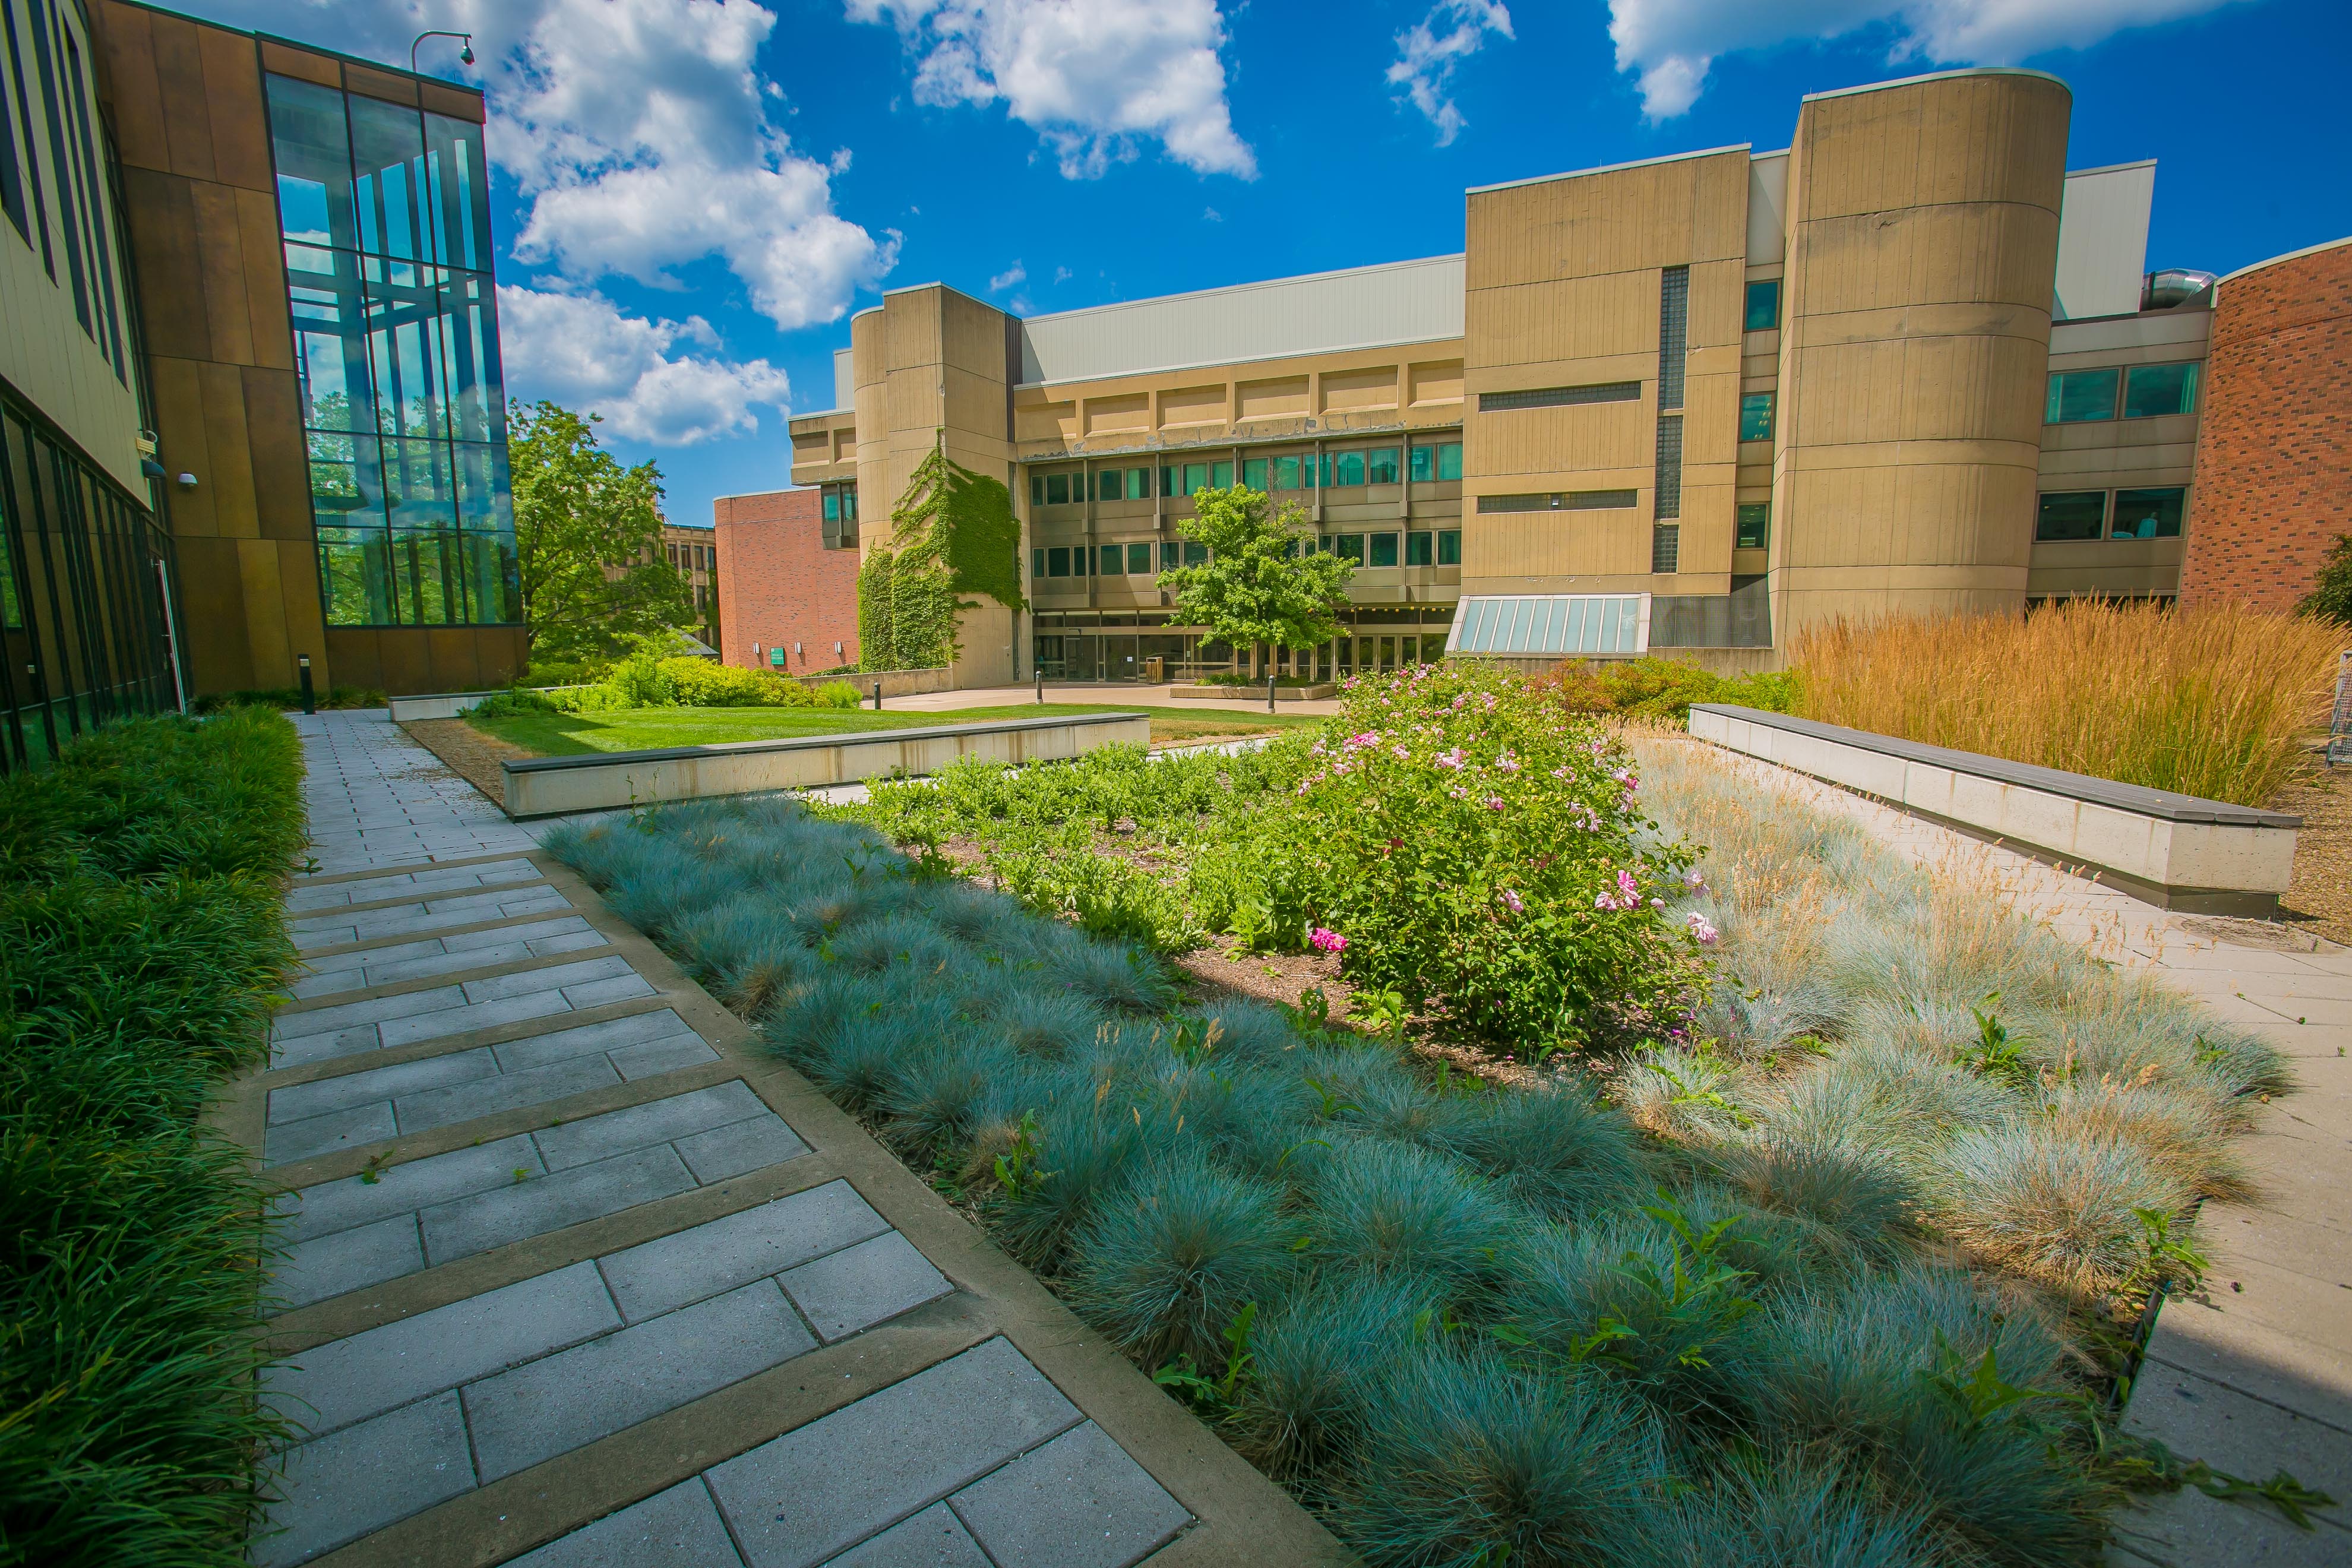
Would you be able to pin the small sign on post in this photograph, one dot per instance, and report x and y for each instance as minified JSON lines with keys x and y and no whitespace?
{"x":309,"y":696}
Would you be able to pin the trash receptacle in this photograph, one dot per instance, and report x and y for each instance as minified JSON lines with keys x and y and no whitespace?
{"x":1155,"y":668}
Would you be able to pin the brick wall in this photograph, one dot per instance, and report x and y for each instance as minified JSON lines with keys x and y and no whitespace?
{"x":2273,"y":478}
{"x":778,"y":584}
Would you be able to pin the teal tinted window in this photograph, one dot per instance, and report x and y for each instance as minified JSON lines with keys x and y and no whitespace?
{"x":1420,"y":550}
{"x":1763,"y":305}
{"x":2151,"y":514}
{"x":1221,"y":476}
{"x":1168,"y":476}
{"x":832,"y":505}
{"x":2071,"y":514}
{"x":1449,"y":460}
{"x":2077,"y":395}
{"x":1171,"y":555}
{"x":1036,"y":490}
{"x":1344,"y":468}
{"x":1057,"y":490}
{"x":1138,"y":560}
{"x":1139,"y":484}
{"x":1195,"y":554}
{"x":1421,"y":467}
{"x":1449,"y":547}
{"x":1380,"y":466}
{"x":1058,"y":560}
{"x":1286,"y":474}
{"x":2150,"y":390}
{"x":1114,"y":559}
{"x":1349,"y":547}
{"x":1756,"y":416}
{"x":1196,"y":476}
{"x":1036,"y":564}
{"x":1253,"y":472}
{"x":1110,"y":484}
{"x":1754,"y":526}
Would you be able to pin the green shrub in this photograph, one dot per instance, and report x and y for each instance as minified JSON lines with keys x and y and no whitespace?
{"x":837,"y":694}
{"x":289,"y":699}
{"x":141,"y":952}
{"x":1664,"y":689}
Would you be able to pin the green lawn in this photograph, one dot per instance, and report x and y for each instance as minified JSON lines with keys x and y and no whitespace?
{"x":644,"y":729}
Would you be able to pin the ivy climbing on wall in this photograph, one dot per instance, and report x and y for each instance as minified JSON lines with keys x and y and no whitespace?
{"x":952,"y":533}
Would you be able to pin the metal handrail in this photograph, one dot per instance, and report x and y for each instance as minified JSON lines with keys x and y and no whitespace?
{"x":2340,"y":725}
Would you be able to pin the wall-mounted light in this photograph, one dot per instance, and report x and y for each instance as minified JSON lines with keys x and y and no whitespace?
{"x":187,"y":481}
{"x":796,"y":651}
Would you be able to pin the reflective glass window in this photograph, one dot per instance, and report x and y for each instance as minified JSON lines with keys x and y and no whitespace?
{"x":1139,"y":484}
{"x":1114,"y":559}
{"x":1110,"y":484}
{"x":1057,"y":490}
{"x":1384,"y":549}
{"x":1138,"y":560}
{"x":1449,"y":460}
{"x":2071,"y":514}
{"x":1449,"y":547}
{"x":1285,"y":473}
{"x":1253,"y":472}
{"x":387,"y":184}
{"x":2152,"y":390}
{"x":2077,"y":395}
{"x":1036,"y":490}
{"x":1195,"y":554}
{"x":1756,"y":416}
{"x":1349,"y":547}
{"x":1754,"y":525}
{"x":2150,"y":513}
{"x":1420,"y":549}
{"x":1344,"y":468}
{"x":1171,"y":555}
{"x":1058,"y":560}
{"x":1196,"y":476}
{"x":1380,"y":466}
{"x":1763,"y":305}
{"x":1221,"y":476}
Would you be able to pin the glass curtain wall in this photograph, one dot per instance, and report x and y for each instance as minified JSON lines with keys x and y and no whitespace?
{"x":385,"y":217}
{"x":82,"y":599}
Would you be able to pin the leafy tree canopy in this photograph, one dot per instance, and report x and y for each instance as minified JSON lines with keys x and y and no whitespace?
{"x":588,"y":542}
{"x":2330,"y":598}
{"x":1261,"y":583}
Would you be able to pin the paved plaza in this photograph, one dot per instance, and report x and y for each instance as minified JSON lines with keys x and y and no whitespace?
{"x":574,"y":1275}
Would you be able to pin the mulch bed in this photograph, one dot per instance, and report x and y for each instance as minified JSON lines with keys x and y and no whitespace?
{"x":2320,"y":897}
{"x":469,"y":753}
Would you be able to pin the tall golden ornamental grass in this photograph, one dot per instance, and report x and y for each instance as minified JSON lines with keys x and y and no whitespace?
{"x":2205,"y":701}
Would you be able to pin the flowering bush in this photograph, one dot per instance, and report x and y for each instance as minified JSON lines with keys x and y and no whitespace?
{"x":1470,"y":843}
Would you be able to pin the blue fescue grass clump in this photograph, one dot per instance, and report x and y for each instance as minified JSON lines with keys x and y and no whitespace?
{"x":1469,"y":1325}
{"x":141,"y":950}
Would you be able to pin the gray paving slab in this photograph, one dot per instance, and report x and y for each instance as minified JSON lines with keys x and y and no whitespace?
{"x":860,"y":1285}
{"x":424,"y":965}
{"x":821,"y":1489}
{"x":341,"y":1487}
{"x":507,"y":1091}
{"x":299,"y":1102}
{"x":656,"y":1121}
{"x":679,"y":1528}
{"x":748,"y":1145}
{"x":440,"y":1025}
{"x":568,"y":1399}
{"x":339,"y":1204}
{"x":658,"y":1056}
{"x":555,"y":977}
{"x":348,"y":1260}
{"x":447,"y":879}
{"x":345,"y":1380}
{"x":348,"y":1129}
{"x":934,"y":1537}
{"x":374,"y":1010}
{"x":535,"y":1205}
{"x":1079,"y":1501}
{"x":661,"y":1275}
{"x":423,"y":917}
{"x":582,"y":1040}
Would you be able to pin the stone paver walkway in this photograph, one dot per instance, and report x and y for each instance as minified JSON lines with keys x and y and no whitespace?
{"x":574,"y":1275}
{"x":2254,"y":1373}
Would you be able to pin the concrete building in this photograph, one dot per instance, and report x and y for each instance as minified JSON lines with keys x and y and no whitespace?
{"x":693,"y":550}
{"x":248,"y":315}
{"x":1908,"y":363}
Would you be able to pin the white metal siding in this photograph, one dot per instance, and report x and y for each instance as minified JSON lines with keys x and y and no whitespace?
{"x":2102,"y":240}
{"x":1367,"y":307}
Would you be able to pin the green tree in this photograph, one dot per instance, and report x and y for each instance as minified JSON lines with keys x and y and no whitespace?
{"x":587,"y":541}
{"x":2330,"y":598}
{"x":1264,"y":582}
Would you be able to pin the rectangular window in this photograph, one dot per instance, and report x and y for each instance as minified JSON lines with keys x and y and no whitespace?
{"x":1756,"y":416}
{"x":1380,"y":466}
{"x":1058,"y":489}
{"x":1285,"y":473}
{"x":1138,"y":561}
{"x":2150,"y":514}
{"x":2154,"y":390}
{"x":1221,"y":476}
{"x":1036,"y":490}
{"x":1253,"y":472}
{"x":1344,"y":468}
{"x":1139,"y":484}
{"x":1449,"y":547}
{"x":1349,"y":547}
{"x":1420,"y":549}
{"x":1114,"y":559}
{"x":1171,"y":555}
{"x":1421,"y":466}
{"x":1673,"y":334}
{"x":1763,"y":313}
{"x":1443,"y":461}
{"x":1167,"y":485}
{"x":1110,"y":484}
{"x":1449,"y":460}
{"x":1196,"y":477}
{"x":1755,"y":526}
{"x":2071,"y":514}
{"x":2080,"y":395}
{"x":1058,"y":560}
{"x":832,"y":507}
{"x":1195,"y":554}
{"x":1560,"y":396}
{"x":1559,"y":500}
{"x":1670,"y":466}
{"x":1666,"y":547}
{"x":1036,"y":564}
{"x":1384,"y":550}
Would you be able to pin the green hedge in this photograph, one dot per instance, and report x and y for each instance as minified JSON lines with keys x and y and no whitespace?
{"x":141,"y":950}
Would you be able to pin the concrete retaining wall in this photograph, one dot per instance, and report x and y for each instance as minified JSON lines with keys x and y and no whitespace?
{"x":895,"y":682}
{"x":548,"y":786}
{"x":2205,"y":856}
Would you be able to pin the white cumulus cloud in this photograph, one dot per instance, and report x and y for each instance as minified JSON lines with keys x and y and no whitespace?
{"x":1007,"y":279}
{"x":1094,"y":78}
{"x":1429,"y":50}
{"x":582,"y":352}
{"x":1669,"y":45}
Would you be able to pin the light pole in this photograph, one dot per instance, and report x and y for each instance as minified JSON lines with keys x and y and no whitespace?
{"x":465,"y":55}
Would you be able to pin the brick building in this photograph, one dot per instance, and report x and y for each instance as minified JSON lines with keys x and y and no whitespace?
{"x":787,"y":597}
{"x":2273,"y":464}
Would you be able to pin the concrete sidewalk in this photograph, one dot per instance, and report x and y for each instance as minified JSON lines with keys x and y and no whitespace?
{"x":2254,"y":1373}
{"x":574,"y":1273}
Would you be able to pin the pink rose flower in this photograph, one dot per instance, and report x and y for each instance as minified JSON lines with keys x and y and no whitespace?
{"x":1322,"y":939}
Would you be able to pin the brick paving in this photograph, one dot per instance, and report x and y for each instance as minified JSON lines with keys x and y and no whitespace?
{"x":573,"y":1274}
{"x":2254,"y":1373}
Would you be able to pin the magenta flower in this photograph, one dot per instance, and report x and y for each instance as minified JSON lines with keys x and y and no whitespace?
{"x":1626,"y":776}
{"x":1703,"y":929}
{"x":1628,"y":890}
{"x":1694,"y":881}
{"x":1494,"y":802}
{"x":1512,"y":902}
{"x":1322,"y":939}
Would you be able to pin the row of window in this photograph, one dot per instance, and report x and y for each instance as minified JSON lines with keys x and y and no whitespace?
{"x":694,"y":557}
{"x":2140,"y":392}
{"x":839,"y":528}
{"x":1292,"y":471}
{"x":54,"y":64}
{"x":2155,"y":513}
{"x":1429,"y":547}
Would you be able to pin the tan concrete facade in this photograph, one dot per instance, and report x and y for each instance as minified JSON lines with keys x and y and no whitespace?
{"x":1761,"y":388}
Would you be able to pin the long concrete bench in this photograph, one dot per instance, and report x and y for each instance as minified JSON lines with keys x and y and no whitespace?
{"x":2200,"y":856}
{"x":548,"y":786}
{"x":437,"y":705}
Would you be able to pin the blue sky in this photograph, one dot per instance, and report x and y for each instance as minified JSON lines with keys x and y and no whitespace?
{"x":692,"y":196}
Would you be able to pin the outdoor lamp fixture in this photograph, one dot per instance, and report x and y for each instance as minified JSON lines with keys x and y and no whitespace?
{"x":465,"y":55}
